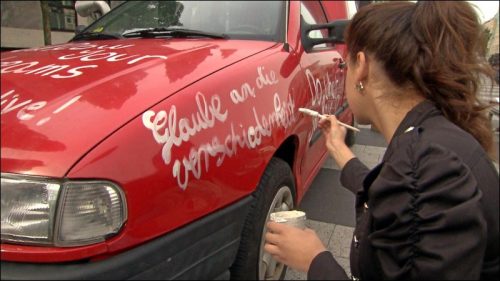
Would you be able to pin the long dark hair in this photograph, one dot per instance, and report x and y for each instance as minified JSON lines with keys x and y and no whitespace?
{"x":436,"y":47}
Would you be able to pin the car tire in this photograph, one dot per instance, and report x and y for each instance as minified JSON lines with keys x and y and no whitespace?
{"x":275,"y":192}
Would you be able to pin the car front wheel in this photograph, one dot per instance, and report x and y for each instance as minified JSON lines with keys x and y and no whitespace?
{"x":275,"y":192}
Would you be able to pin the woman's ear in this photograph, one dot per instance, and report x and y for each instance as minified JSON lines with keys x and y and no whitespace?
{"x":362,"y":67}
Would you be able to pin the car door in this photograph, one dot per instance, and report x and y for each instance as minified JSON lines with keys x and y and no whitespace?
{"x":323,"y":70}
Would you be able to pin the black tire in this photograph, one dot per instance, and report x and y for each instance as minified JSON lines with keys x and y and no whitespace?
{"x":277,"y":179}
{"x":350,"y":137}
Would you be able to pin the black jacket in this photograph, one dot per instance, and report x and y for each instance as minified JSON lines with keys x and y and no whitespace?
{"x":428,"y":211}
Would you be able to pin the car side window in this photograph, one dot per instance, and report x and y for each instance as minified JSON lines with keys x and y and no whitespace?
{"x":312,"y":12}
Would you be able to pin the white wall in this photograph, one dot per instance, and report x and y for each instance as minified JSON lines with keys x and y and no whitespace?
{"x":22,"y":25}
{"x":27,"y":38}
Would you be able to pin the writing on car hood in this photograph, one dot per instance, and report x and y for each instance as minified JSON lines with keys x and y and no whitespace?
{"x":80,"y":93}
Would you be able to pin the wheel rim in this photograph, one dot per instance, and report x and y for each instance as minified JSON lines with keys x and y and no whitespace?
{"x":269,"y":268}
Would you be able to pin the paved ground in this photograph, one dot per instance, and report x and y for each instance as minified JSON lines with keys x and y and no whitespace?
{"x":330,"y":207}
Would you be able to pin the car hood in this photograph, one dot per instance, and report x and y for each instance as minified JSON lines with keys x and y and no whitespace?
{"x":60,"y":101}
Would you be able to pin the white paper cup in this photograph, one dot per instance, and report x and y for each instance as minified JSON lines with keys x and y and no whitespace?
{"x":293,"y":218}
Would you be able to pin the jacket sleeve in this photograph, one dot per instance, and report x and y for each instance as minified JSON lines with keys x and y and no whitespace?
{"x":353,"y":174}
{"x":325,"y":267}
{"x":427,"y":220}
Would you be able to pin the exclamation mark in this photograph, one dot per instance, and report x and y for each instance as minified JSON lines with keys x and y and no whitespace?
{"x":59,"y":109}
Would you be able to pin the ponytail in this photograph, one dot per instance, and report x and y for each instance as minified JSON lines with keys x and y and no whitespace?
{"x":436,"y":47}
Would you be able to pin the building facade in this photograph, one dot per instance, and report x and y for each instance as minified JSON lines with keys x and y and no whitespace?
{"x":21,"y":22}
{"x":493,"y":43}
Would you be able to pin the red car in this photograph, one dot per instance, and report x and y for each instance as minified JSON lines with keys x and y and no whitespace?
{"x":156,"y":143}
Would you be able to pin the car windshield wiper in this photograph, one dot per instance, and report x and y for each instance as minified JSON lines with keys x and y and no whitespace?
{"x":173,"y":32}
{"x":95,"y":36}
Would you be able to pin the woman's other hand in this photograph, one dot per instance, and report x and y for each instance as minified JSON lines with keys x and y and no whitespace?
{"x":292,"y":246}
{"x":335,"y":140}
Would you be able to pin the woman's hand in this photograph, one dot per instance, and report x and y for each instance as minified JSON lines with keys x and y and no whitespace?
{"x":335,"y":140}
{"x":334,"y":133}
{"x":292,"y":246}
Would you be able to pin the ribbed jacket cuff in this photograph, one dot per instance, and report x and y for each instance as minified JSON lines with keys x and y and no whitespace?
{"x":325,"y":267}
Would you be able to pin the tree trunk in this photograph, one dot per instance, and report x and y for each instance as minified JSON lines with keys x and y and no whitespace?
{"x":46,"y":22}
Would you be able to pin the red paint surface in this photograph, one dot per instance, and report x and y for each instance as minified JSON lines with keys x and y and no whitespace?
{"x":101,"y":135}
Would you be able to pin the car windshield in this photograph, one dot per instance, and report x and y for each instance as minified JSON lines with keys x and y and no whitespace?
{"x":253,"y":20}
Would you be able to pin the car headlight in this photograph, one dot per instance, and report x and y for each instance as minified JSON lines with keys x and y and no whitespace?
{"x":42,"y":211}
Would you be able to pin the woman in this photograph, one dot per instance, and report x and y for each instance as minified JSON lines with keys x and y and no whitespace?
{"x":430,"y":209}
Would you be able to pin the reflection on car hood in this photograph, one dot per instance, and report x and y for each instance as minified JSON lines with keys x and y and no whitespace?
{"x":59,"y":101}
